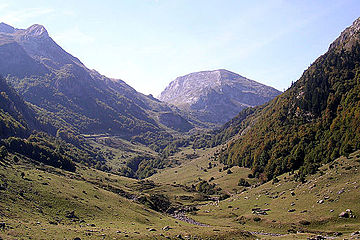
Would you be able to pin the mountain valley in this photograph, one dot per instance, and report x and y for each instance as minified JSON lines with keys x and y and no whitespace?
{"x":218,"y":156}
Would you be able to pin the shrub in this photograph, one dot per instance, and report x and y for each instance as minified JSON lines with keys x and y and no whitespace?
{"x":3,"y":152}
{"x":224,"y":196}
{"x":243,"y":183}
{"x":275,"y":180}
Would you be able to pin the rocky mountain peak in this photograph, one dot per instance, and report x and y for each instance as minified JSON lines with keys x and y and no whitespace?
{"x":216,"y":96}
{"x":36,"y":30}
{"x":5,"y":28}
{"x":348,"y":37}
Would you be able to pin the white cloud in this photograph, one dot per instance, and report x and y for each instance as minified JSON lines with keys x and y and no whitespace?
{"x":21,"y":16}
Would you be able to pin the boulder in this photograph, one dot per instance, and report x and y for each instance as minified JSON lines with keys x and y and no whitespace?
{"x":166,"y":228}
{"x":344,"y":215}
{"x":347,"y":214}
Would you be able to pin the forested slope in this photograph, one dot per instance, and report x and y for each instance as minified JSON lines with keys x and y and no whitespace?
{"x":314,"y":121}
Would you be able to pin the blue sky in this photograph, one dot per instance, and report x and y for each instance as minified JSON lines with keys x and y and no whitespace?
{"x":148,"y":43}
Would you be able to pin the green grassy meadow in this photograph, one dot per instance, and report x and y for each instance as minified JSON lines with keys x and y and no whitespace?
{"x":36,"y":202}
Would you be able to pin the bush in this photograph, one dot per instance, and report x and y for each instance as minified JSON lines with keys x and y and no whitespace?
{"x":275,"y":180}
{"x":3,"y":152}
{"x":243,"y":183}
{"x":224,"y":196}
{"x":206,"y":188}
{"x":257,"y":219}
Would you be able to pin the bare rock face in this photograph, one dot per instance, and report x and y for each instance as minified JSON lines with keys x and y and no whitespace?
{"x":36,"y":30}
{"x":348,"y":37}
{"x":216,"y":96}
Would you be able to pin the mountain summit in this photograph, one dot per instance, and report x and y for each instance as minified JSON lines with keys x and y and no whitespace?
{"x":216,"y":96}
{"x":37,"y":30}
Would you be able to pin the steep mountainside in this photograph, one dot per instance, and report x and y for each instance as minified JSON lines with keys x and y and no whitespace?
{"x":313,"y":122}
{"x":69,"y":93}
{"x":216,"y":96}
{"x":16,"y":117}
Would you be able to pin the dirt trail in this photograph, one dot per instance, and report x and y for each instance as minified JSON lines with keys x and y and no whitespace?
{"x":182,"y":217}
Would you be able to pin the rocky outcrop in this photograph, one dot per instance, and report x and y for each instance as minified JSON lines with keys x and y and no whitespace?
{"x":216,"y":96}
{"x":348,"y":37}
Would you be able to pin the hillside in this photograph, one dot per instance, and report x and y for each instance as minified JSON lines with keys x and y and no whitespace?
{"x":315,"y":121}
{"x":288,"y":209}
{"x":22,"y":133}
{"x":216,"y":96}
{"x":16,"y":117}
{"x":284,"y":208}
{"x":69,"y":93}
{"x":42,"y":202}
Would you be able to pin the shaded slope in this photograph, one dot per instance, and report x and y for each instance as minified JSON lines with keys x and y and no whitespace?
{"x":16,"y":117}
{"x":52,"y":79}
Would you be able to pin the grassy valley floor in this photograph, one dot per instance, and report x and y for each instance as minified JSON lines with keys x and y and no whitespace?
{"x":41,"y":202}
{"x":283,"y":209}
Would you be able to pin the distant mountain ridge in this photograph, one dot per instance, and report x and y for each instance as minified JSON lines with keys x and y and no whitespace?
{"x":216,"y":96}
{"x":66,"y":91}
